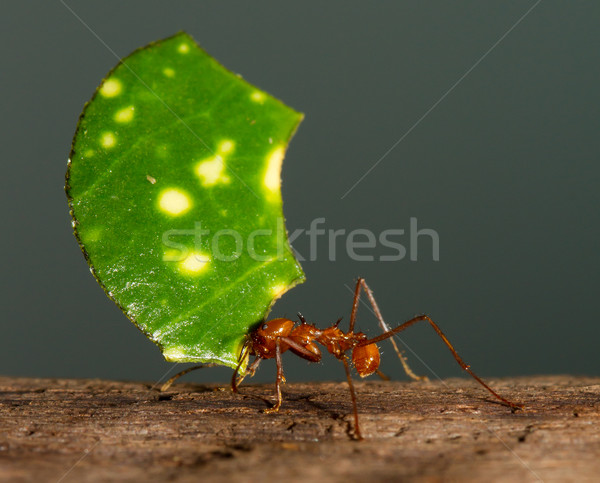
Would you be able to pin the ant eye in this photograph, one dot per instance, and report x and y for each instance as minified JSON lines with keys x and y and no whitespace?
{"x":265,"y":327}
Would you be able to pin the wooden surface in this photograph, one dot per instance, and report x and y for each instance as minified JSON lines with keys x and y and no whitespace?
{"x":93,"y":430}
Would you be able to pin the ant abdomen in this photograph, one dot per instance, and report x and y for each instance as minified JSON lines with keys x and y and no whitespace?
{"x":366,"y":359}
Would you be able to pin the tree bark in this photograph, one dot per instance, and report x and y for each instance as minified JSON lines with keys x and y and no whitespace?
{"x":93,"y":430}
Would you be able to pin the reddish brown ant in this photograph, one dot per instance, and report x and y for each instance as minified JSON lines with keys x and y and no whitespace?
{"x":274,"y":337}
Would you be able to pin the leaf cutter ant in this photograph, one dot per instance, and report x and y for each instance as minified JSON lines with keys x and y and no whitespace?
{"x":274,"y":337}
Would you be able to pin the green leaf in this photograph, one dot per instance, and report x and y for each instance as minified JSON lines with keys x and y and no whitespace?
{"x":171,"y":145}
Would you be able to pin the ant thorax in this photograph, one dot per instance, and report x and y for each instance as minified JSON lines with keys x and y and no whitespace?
{"x":338,"y":342}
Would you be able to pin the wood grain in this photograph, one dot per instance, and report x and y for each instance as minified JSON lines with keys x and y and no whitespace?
{"x":93,"y":430}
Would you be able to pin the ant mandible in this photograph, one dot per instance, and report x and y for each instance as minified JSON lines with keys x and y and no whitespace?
{"x":276,"y":336}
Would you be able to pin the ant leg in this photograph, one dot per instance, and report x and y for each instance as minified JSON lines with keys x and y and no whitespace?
{"x":355,"y":301}
{"x":382,"y":375}
{"x":353,"y":397}
{"x":408,"y":371}
{"x":439,"y":332}
{"x":236,"y":379}
{"x":278,"y":379}
{"x":170,"y":382}
{"x":362,"y":283}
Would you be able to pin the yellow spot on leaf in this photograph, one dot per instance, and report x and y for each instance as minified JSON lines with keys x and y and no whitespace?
{"x":183,"y":48}
{"x":108,"y":140}
{"x":226,"y":146}
{"x":174,"y":202}
{"x":168,"y":72}
{"x":124,"y":115}
{"x":278,"y":290}
{"x":272,"y":179}
{"x":212,"y":171}
{"x":194,"y":263}
{"x":257,"y":96}
{"x":92,"y":235}
{"x":111,"y":88}
{"x":89,"y":153}
{"x":174,"y":354}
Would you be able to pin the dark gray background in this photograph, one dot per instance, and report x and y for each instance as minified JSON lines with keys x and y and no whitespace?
{"x":505,"y":169}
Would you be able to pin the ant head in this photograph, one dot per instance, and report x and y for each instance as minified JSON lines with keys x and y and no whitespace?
{"x":264,"y":338}
{"x":275,"y":328}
